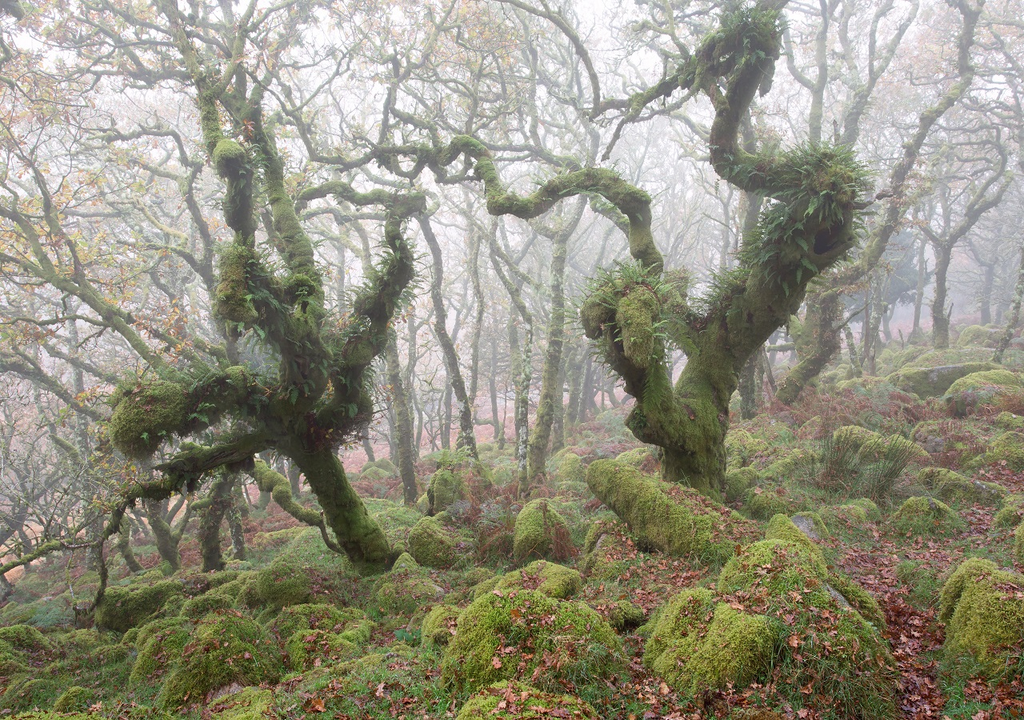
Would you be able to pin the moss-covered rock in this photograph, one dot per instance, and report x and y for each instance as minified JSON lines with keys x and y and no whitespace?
{"x":950,"y":486}
{"x":854,"y":436}
{"x":811,"y":524}
{"x":250,"y":703}
{"x":278,"y":585}
{"x":123,"y":608}
{"x":1018,"y":544}
{"x":405,"y":589}
{"x":439,"y":625}
{"x":197,"y":607}
{"x":763,"y":502}
{"x":1010,"y":514}
{"x":742,"y":448}
{"x":796,"y":461}
{"x":519,"y":700}
{"x":978,"y":335}
{"x":570,"y":469}
{"x":74,"y":698}
{"x":541,"y":532}
{"x":1009,"y":421}
{"x":555,"y":581}
{"x":431,"y":544}
{"x":983,"y":608}
{"x":919,"y":516}
{"x":780,"y":527}
{"x":24,"y":638}
{"x":446,"y":487}
{"x":159,"y":645}
{"x":770,"y":615}
{"x":223,"y":649}
{"x":1006,"y":449}
{"x":927,"y":382}
{"x":642,"y":458}
{"x":738,"y":481}
{"x":656,"y":519}
{"x":894,"y":447}
{"x":502,"y":636}
{"x":978,"y":389}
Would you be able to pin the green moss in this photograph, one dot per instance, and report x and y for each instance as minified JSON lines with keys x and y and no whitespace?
{"x":1006,"y":449}
{"x":762,"y":502}
{"x":871,"y":511}
{"x":74,"y":698}
{"x":983,"y":608}
{"x":793,"y":463}
{"x":655,"y":518}
{"x":637,"y":457}
{"x":878,"y":449}
{"x":234,"y":295}
{"x":860,"y":599}
{"x":147,"y":414}
{"x":123,"y":608}
{"x":570,"y":469}
{"x":229,"y":158}
{"x":541,"y":532}
{"x":439,"y":625}
{"x":977,"y":335}
{"x":405,"y":589}
{"x":446,"y":487}
{"x":551,"y":579}
{"x":978,"y":389}
{"x":1018,"y":544}
{"x":525,"y":628}
{"x":222,"y":649}
{"x":248,"y":704}
{"x":709,"y":646}
{"x":780,"y":527}
{"x":919,"y":516}
{"x":950,"y":486}
{"x":934,"y":380}
{"x":854,"y":436}
{"x":280,"y":584}
{"x":1011,"y":514}
{"x":431,"y":544}
{"x":160,"y":644}
{"x":1008,"y":421}
{"x":311,"y":648}
{"x":519,"y":700}
{"x":775,"y":565}
{"x":813,"y":520}
{"x":738,"y":481}
{"x":24,"y":638}
{"x":352,"y":622}
{"x":741,"y":448}
{"x":197,"y":607}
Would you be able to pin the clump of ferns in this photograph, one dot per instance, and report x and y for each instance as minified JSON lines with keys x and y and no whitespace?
{"x":606,"y":293}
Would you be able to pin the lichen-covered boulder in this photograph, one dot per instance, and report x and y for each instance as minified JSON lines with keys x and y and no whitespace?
{"x":507,"y":635}
{"x":446,"y":487}
{"x":919,"y":516}
{"x":123,"y":608}
{"x":927,"y":382}
{"x":983,"y":608}
{"x":222,"y":649}
{"x":541,"y":532}
{"x":950,"y":486}
{"x":656,"y":519}
{"x":524,"y":702}
{"x":978,"y":389}
{"x":556,"y":581}
{"x":773,"y":615}
{"x":431,"y":544}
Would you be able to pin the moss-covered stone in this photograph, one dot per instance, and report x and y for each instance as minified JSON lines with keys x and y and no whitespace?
{"x":439,"y":625}
{"x":521,"y":629}
{"x":642,"y":458}
{"x":950,"y":486}
{"x":24,"y":638}
{"x":159,"y":644}
{"x":1010,"y":514}
{"x":919,"y":516}
{"x":893,"y":446}
{"x":1008,"y":421}
{"x":541,"y":532}
{"x":738,"y":481}
{"x":250,"y":703}
{"x":780,"y":527}
{"x":927,"y":382}
{"x":278,"y":585}
{"x":871,"y":511}
{"x":405,"y":589}
{"x":763,"y":502}
{"x":519,"y":700}
{"x":811,"y":524}
{"x":793,"y":463}
{"x":222,"y":649}
{"x":445,"y":487}
{"x":978,"y":389}
{"x":123,"y":608}
{"x":570,"y":469}
{"x":655,"y":518}
{"x":431,"y":544}
{"x":983,"y":608}
{"x":978,"y":335}
{"x":854,"y":436}
{"x":74,"y":698}
{"x":1006,"y":449}
{"x":145,"y":415}
{"x":555,"y":581}
{"x":741,"y":448}
{"x":197,"y":607}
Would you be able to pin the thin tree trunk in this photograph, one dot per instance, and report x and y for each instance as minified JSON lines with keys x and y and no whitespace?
{"x":403,"y":422}
{"x":1014,"y":319}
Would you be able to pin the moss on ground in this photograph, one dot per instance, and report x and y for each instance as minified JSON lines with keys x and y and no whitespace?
{"x":123,"y":608}
{"x":446,"y":487}
{"x":555,"y":581}
{"x":950,"y":486}
{"x":971,"y":392}
{"x":439,"y":625}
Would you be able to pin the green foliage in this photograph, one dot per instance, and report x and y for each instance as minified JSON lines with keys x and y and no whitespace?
{"x":950,"y":486}
{"x":277,"y":585}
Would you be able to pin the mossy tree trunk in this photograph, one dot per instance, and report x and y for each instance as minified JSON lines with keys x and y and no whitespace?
{"x":403,"y":423}
{"x":212,"y":509}
{"x":1014,"y":316}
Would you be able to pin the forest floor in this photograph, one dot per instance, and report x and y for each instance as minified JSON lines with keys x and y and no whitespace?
{"x":292,"y":631}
